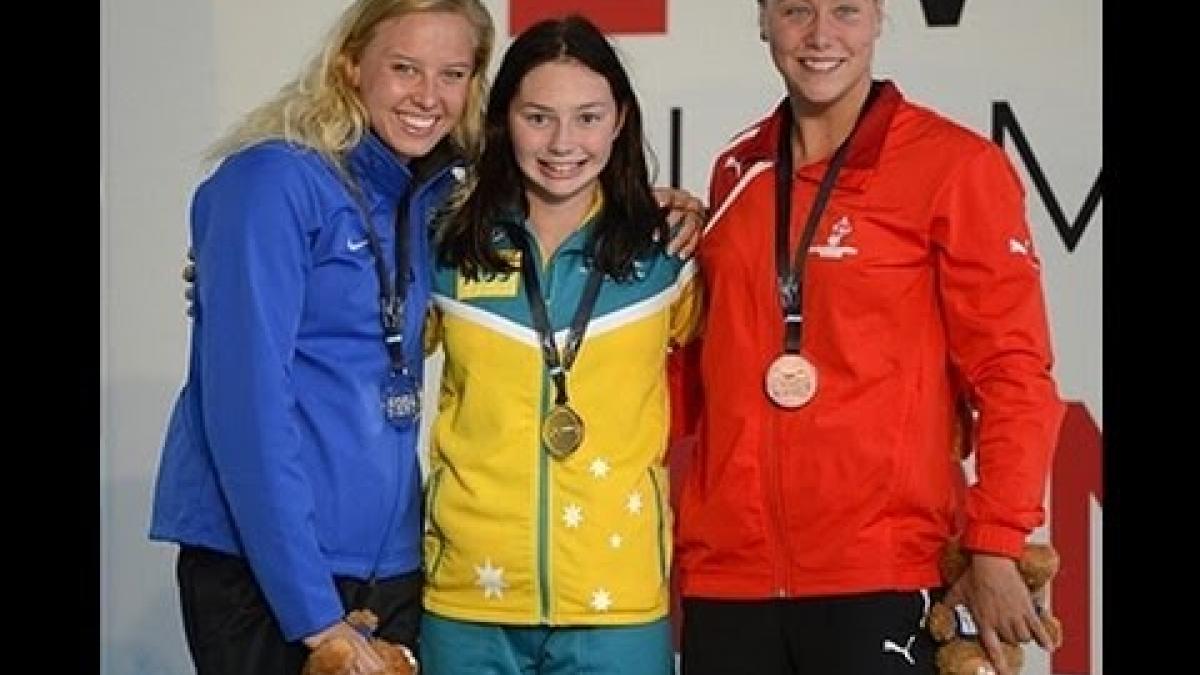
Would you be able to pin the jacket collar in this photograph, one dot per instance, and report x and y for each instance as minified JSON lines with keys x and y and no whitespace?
{"x":578,"y":241}
{"x":863,"y":155}
{"x":386,"y":176}
{"x":381,"y":173}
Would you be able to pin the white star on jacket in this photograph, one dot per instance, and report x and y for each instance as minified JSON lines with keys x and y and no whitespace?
{"x":490,"y":579}
{"x":599,"y":467}
{"x":572,"y":515}
{"x":601,"y":600}
{"x":634,"y":503}
{"x":615,"y":540}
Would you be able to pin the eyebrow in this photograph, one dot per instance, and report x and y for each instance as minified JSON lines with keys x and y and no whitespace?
{"x":546,"y":108}
{"x":400,"y":56}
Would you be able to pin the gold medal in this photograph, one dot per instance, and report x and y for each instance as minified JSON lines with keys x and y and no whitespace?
{"x":791,"y":381}
{"x":562,"y":431}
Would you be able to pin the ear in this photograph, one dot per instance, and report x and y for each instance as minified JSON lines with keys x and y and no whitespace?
{"x":620,"y":121}
{"x":351,"y":70}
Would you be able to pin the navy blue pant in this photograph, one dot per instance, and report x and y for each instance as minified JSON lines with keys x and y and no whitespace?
{"x":866,"y":634}
{"x":230,"y":629}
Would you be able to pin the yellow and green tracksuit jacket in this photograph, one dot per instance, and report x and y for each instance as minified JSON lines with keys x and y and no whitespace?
{"x":513,"y":535}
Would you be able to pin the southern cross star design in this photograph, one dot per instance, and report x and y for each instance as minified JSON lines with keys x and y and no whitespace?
{"x":599,"y":467}
{"x":490,"y":579}
{"x":572,"y":515}
{"x":601,"y":600}
{"x":634,"y":503}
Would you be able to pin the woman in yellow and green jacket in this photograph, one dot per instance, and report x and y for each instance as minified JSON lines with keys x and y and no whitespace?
{"x":548,"y":527}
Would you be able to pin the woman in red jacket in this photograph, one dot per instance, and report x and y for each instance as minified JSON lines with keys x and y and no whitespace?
{"x":869,"y":263}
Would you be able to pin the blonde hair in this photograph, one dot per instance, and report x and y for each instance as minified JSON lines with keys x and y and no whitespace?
{"x":321,"y":108}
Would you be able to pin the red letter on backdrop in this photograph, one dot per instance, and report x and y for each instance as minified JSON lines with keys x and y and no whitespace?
{"x":612,"y":16}
{"x":1077,"y":480}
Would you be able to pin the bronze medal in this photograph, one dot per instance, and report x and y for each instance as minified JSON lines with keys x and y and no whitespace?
{"x":791,"y":381}
{"x":562,"y":431}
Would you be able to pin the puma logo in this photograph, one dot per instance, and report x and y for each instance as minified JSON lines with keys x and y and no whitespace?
{"x":1024,"y":248}
{"x":905,"y":651}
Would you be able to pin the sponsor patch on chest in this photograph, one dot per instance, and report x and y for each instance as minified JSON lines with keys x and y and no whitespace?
{"x":490,"y":285}
{"x":835,"y":246}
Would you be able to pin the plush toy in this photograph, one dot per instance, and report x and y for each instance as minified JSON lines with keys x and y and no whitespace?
{"x":961,"y":652}
{"x":335,"y":655}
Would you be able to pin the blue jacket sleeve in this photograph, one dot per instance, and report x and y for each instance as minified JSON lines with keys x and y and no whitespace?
{"x":249,"y":229}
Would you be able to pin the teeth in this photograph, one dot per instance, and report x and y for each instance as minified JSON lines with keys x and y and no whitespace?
{"x":561,"y":169}
{"x":421,"y":123}
{"x":822,"y":65}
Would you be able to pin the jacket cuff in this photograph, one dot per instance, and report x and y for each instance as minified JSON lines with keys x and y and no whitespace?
{"x":994,"y":540}
{"x":298,"y":628}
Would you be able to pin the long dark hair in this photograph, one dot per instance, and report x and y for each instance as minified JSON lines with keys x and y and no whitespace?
{"x":631,"y":220}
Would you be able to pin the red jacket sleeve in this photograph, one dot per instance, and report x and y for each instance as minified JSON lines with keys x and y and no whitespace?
{"x":991,"y":294}
{"x":683,"y":365}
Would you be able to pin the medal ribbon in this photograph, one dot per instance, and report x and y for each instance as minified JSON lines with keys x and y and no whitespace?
{"x":790,"y":278}
{"x":392,"y":294}
{"x":391,"y":311}
{"x":541,"y":320}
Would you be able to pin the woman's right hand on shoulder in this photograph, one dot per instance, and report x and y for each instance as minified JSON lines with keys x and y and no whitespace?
{"x":189,"y":282}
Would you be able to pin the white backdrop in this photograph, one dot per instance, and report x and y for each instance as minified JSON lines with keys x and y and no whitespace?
{"x":176,"y":73}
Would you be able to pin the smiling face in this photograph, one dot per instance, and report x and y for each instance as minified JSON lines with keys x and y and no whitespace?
{"x":823,"y":48}
{"x":414,"y":77}
{"x":563,"y":121}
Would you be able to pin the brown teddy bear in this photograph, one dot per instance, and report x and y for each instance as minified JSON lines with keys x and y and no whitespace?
{"x":335,"y":655}
{"x":961,"y":652}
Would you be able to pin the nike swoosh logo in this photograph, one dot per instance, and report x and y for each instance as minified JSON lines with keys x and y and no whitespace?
{"x":356,"y":245}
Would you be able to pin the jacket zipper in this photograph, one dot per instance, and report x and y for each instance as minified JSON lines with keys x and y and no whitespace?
{"x":543,"y":524}
{"x":544,"y":462}
{"x":412,"y":204}
{"x":775,"y":482}
{"x":775,"y":504}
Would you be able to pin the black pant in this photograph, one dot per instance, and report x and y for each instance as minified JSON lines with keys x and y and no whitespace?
{"x":867,"y":634}
{"x":230,"y":629}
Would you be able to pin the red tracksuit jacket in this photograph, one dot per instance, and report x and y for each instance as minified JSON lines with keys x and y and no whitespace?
{"x":921,"y":286}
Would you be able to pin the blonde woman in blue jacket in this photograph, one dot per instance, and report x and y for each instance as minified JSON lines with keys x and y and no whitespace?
{"x":289,"y":475}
